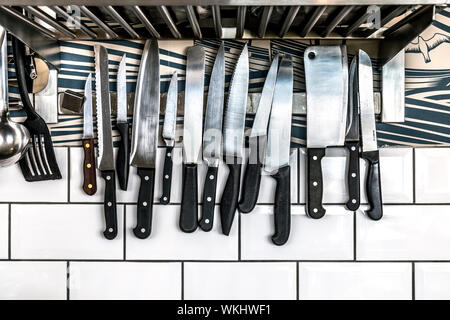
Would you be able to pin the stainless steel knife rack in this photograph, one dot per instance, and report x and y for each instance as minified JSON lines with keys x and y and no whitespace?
{"x":334,"y":22}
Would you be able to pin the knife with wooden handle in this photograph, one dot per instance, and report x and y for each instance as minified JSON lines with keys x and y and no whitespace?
{"x":89,"y":174}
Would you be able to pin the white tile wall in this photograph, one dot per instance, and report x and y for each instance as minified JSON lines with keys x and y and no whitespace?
{"x":432,"y":281}
{"x":240,"y":281}
{"x":4,"y":232}
{"x":355,"y":281}
{"x":125,"y":281}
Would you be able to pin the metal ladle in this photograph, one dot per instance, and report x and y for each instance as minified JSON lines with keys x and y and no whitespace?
{"x":14,"y":137}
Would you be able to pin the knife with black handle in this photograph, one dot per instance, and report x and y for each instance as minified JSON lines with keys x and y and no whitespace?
{"x":252,"y":178}
{"x":167,"y":176}
{"x":109,"y":204}
{"x":315,"y":183}
{"x":123,"y":155}
{"x":230,"y":196}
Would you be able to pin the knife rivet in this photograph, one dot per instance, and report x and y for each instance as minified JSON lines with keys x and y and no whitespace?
{"x":169,"y":154}
{"x":110,"y":229}
{"x":353,"y":175}
{"x":315,"y":158}
{"x":165,"y":198}
{"x":211,"y":177}
{"x":89,"y":186}
{"x":144,"y":204}
{"x":166,"y":176}
{"x":143,"y":230}
{"x":315,"y":210}
{"x":315,"y":184}
{"x":108,"y":177}
{"x":206,"y":220}
{"x":109,"y":204}
{"x":146,"y":178}
{"x":208,"y":199}
{"x":354,"y":201}
{"x":87,"y":145}
{"x":353,"y":148}
{"x":88,"y":165}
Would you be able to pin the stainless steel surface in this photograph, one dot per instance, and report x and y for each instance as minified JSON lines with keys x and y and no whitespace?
{"x":217,"y":21}
{"x":147,"y":24}
{"x":393,"y":87}
{"x":264,"y":21}
{"x":324,"y":88}
{"x":190,"y":13}
{"x":193,"y":106}
{"x":212,"y":136}
{"x":88,"y":121}
{"x":352,"y":130}
{"x":102,"y":25}
{"x":122,"y":90}
{"x":146,"y":109}
{"x":365,"y":79}
{"x":63,"y":13}
{"x":120,"y":20}
{"x":279,"y":132}
{"x":318,"y":11}
{"x":356,"y":24}
{"x":290,"y":16}
{"x":14,"y":137}
{"x":103,"y":105}
{"x":345,"y":91}
{"x":170,"y":114}
{"x":240,"y":21}
{"x":234,"y":113}
{"x":344,"y":11}
{"x":261,"y":121}
{"x":46,"y":100}
{"x":165,"y":14}
{"x":38,"y":13}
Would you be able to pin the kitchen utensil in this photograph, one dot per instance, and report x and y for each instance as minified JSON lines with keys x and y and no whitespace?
{"x":352,"y":142}
{"x":325,"y":122}
{"x":123,"y":155}
{"x":105,"y":144}
{"x":277,"y":154}
{"x":39,"y":163}
{"x":90,"y":178}
{"x":212,"y":138}
{"x":233,"y":139}
{"x":14,"y":137}
{"x":369,"y":136}
{"x":144,"y":140}
{"x":192,"y":136}
{"x":168,"y":134}
{"x":257,"y":142}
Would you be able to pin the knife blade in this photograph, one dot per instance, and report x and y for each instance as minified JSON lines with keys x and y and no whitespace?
{"x":278,"y":149}
{"x":192,"y":136}
{"x":168,"y":134}
{"x":105,"y":144}
{"x":90,"y":178}
{"x":144,"y":139}
{"x":212,"y":138}
{"x":325,"y":105}
{"x":233,"y":139}
{"x":257,"y":142}
{"x":123,"y":155}
{"x":352,"y":142}
{"x":369,"y":136}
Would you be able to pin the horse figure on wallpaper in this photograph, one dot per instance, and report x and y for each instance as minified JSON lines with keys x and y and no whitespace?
{"x":425,"y":46}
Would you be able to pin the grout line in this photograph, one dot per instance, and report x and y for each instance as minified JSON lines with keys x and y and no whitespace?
{"x":298,"y":175}
{"x":178,"y":203}
{"x":68,"y":174}
{"x":298,"y":280}
{"x":9,"y":231}
{"x":124,"y":228}
{"x":239,"y":236}
{"x":182,"y":280}
{"x":354,"y":236}
{"x":68,"y":281}
{"x":413,"y":282}
{"x":414,"y":175}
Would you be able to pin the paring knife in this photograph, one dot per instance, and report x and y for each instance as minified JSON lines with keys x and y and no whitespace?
{"x":168,"y":134}
{"x":90,"y":178}
{"x":352,"y":142}
{"x":123,"y":155}
{"x":145,"y":134}
{"x":192,"y":136}
{"x":325,"y":116}
{"x":369,"y":136}
{"x":105,"y":144}
{"x":278,"y":149}
{"x":212,"y":138}
{"x":233,"y":139}
{"x":257,"y":142}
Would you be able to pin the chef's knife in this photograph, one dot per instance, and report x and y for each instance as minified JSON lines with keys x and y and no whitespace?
{"x":168,"y":134}
{"x":352,"y":139}
{"x":325,"y":122}
{"x":192,"y":136}
{"x":90,"y":178}
{"x":257,"y":142}
{"x":105,"y":144}
{"x":145,"y":134}
{"x":233,"y":139}
{"x":212,"y":138}
{"x":278,"y":149}
{"x":123,"y":155}
{"x":369,"y":136}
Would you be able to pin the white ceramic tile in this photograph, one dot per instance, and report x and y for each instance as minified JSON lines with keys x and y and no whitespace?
{"x":240,"y":281}
{"x":168,"y":242}
{"x":63,"y":232}
{"x":14,"y":188}
{"x":21,"y":280}
{"x":433,"y":175}
{"x":125,"y":281}
{"x":355,"y":281}
{"x":4,"y":233}
{"x":329,"y":238}
{"x":408,"y":232}
{"x":396,"y":175}
{"x":432,"y":281}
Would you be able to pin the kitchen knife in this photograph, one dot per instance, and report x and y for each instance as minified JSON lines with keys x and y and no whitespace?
{"x":192,"y":136}
{"x":105,"y":144}
{"x":352,"y":139}
{"x":369,"y":136}
{"x":212,"y":138}
{"x":233,"y":139}
{"x":168,"y":134}
{"x":123,"y":155}
{"x":257,"y":142}
{"x":277,"y":155}
{"x":144,"y":139}
{"x":90,"y":178}
{"x":325,"y":122}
